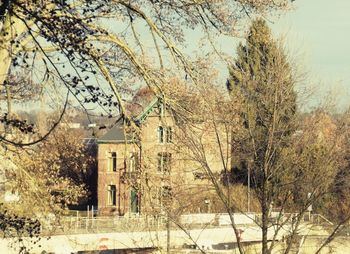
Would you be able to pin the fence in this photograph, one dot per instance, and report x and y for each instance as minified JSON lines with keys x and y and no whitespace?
{"x":76,"y":225}
{"x":291,"y":218}
{"x":217,"y":219}
{"x":83,"y":224}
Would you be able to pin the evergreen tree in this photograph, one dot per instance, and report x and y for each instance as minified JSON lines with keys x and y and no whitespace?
{"x":262,"y":80}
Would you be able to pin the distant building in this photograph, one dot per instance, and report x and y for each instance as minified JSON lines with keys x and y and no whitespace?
{"x":71,"y":125}
{"x":140,"y":170}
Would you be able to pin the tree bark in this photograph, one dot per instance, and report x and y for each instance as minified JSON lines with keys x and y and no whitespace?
{"x":265,"y":218}
{"x":12,"y":29}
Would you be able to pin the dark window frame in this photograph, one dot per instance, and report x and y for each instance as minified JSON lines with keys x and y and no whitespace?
{"x":164,"y":161}
{"x":165,"y":134}
{"x":112,"y":162}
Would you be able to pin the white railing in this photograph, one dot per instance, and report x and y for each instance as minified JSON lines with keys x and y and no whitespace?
{"x":218,"y":219}
{"x":75,"y":224}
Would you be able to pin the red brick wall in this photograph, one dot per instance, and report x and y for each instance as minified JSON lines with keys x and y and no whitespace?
{"x":106,"y":178}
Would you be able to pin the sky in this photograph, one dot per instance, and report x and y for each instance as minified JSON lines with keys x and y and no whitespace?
{"x":318,"y":34}
{"x":317,"y":37}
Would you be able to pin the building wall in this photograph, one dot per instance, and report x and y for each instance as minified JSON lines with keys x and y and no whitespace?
{"x":107,"y":177}
{"x":153,"y":180}
{"x":188,"y":191}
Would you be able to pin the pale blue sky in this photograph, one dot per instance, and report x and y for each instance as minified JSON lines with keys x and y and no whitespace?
{"x":318,"y":33}
{"x":318,"y":37}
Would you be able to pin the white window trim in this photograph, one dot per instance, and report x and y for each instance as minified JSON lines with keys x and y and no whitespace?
{"x":110,"y":163}
{"x":110,"y":196}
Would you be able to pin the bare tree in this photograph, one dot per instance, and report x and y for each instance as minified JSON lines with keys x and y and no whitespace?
{"x":90,"y":50}
{"x":92,"y":47}
{"x":291,"y":168}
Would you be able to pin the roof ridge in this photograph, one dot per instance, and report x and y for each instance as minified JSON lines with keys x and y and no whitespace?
{"x":148,"y":109}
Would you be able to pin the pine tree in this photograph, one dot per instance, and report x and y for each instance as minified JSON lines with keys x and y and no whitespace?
{"x":262,"y":80}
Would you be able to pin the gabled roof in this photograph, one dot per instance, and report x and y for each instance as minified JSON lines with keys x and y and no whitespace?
{"x":146,"y":111}
{"x":116,"y":134}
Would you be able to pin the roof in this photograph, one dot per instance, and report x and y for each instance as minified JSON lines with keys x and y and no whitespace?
{"x":116,"y":134}
{"x":146,"y":111}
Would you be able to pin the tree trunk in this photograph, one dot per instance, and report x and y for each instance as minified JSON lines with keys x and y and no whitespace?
{"x":168,"y":233}
{"x":12,"y":29}
{"x":265,"y":218}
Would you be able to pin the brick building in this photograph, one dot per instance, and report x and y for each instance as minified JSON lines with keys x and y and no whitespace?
{"x":139,"y":171}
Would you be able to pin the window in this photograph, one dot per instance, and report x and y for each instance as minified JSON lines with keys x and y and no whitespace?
{"x":111,"y":195}
{"x":134,"y":201}
{"x":133,"y":162}
{"x":160,"y":134}
{"x":165,"y":134}
{"x":112,"y":161}
{"x":164,"y":161}
{"x":166,"y":192}
{"x":164,"y":195}
{"x":169,"y":135}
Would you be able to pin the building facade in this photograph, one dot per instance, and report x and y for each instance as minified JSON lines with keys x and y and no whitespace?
{"x":149,"y":169}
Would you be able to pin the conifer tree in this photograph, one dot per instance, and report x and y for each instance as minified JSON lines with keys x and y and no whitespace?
{"x":262,"y":80}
